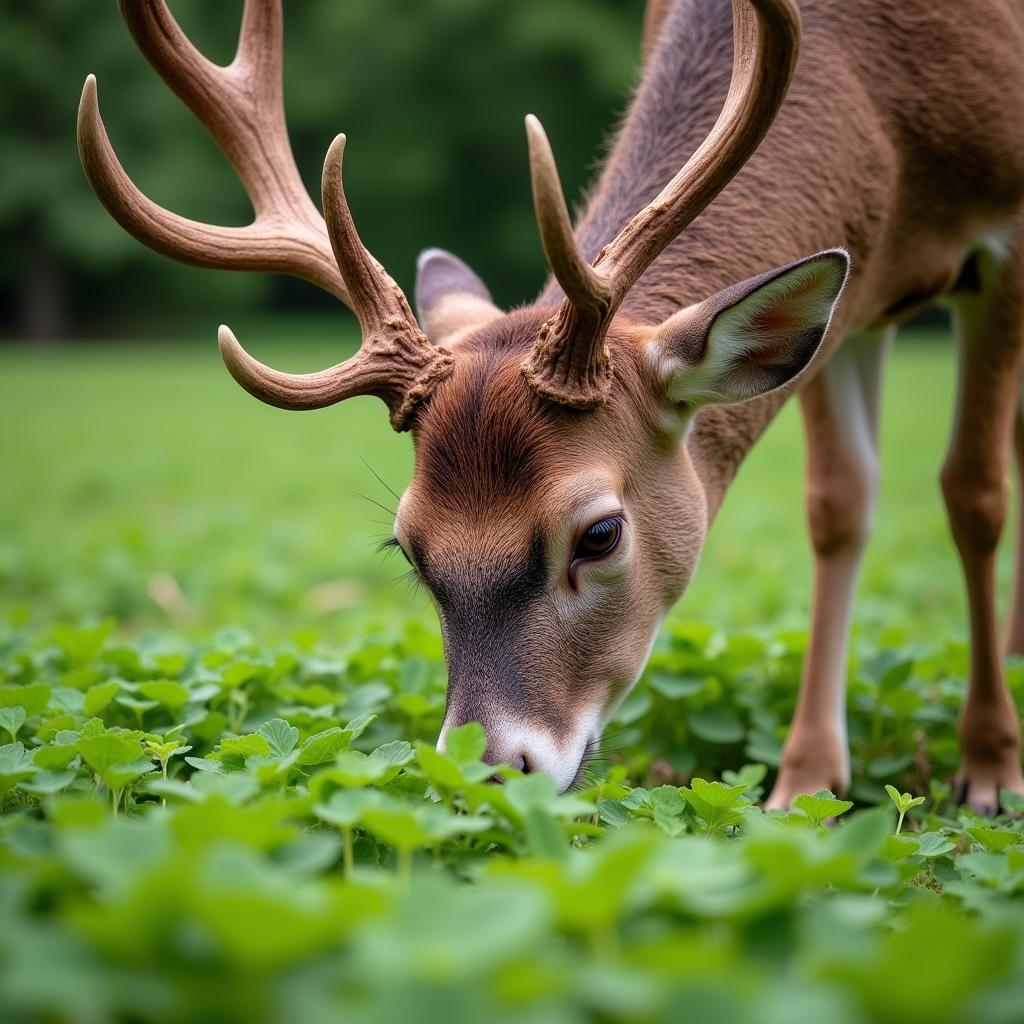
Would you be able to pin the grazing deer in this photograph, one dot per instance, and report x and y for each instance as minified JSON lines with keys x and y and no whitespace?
{"x":571,"y":455}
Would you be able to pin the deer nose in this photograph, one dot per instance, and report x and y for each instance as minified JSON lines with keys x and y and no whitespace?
{"x":516,"y":756}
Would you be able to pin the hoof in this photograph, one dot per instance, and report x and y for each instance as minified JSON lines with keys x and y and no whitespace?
{"x":979,"y":789}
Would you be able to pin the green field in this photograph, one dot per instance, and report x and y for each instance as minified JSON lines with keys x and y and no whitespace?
{"x":220,"y":799}
{"x":127,"y":462}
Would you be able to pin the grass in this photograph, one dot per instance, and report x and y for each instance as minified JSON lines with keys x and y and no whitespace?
{"x":129,"y":464}
{"x":223,"y":804}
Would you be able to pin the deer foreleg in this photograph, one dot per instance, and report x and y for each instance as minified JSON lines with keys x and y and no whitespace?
{"x":990,"y":325}
{"x":1015,"y":617}
{"x":840,"y":411}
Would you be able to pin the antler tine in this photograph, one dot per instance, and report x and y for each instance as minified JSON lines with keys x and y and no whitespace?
{"x":242,"y":107}
{"x":260,"y":40}
{"x":569,"y":362}
{"x":766,"y":44}
{"x":580,"y":282}
{"x":576,"y":374}
{"x":376,"y":298}
{"x":258,"y":246}
{"x":395,"y":361}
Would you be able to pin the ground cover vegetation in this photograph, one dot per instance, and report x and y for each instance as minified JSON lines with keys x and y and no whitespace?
{"x":221,"y":799}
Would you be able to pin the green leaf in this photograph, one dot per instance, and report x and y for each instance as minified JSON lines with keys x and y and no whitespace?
{"x":717,"y":794}
{"x":45,"y":783}
{"x":15,"y":765}
{"x":324,"y":746}
{"x":668,"y":806}
{"x":357,"y":726}
{"x":545,"y":837}
{"x":115,"y":756}
{"x":345,"y":806}
{"x":676,"y":687}
{"x":1013,"y":802}
{"x":442,"y":771}
{"x":995,"y":839}
{"x":12,"y":718}
{"x":899,"y":799}
{"x":280,"y":736}
{"x":57,"y":755}
{"x":33,"y":697}
{"x":244,"y":746}
{"x":933,"y":844}
{"x":99,"y":696}
{"x":821,"y":806}
{"x":466,"y":742}
{"x":167,"y":692}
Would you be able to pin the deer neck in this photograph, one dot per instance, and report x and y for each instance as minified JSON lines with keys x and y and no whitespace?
{"x":681,"y":93}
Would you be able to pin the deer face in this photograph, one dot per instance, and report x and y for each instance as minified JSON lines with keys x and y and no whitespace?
{"x":554,"y":540}
{"x":551,"y":542}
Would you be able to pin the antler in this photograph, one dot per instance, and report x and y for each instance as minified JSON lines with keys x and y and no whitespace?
{"x":395,"y":361}
{"x":242,"y":107}
{"x":569,"y":363}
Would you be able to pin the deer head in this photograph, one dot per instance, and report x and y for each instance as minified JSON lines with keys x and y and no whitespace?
{"x":554,"y":513}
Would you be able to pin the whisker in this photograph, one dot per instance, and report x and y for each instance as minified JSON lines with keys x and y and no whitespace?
{"x":366,"y":497}
{"x":380,"y":479}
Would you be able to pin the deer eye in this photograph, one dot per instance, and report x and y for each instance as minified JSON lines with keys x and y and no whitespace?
{"x":598,"y":540}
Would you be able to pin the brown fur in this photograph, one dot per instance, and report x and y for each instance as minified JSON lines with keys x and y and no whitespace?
{"x":899,"y":139}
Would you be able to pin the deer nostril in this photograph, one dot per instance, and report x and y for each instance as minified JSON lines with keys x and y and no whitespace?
{"x":522,"y":764}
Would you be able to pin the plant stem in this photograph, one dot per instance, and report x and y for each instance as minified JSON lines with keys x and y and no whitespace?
{"x":899,"y":824}
{"x":347,"y":856}
{"x":404,"y":865}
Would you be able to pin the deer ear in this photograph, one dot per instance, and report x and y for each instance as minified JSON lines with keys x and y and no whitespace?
{"x":450,"y":299}
{"x":753,"y":337}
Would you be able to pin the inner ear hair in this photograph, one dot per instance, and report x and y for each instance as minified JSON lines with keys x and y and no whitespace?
{"x":451,"y":301}
{"x":752,"y":337}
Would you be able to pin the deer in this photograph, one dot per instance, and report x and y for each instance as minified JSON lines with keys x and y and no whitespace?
{"x":787,"y":187}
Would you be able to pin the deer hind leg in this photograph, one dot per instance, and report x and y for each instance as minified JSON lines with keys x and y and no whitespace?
{"x":840,"y":410}
{"x":990,"y":325}
{"x":1015,"y":618}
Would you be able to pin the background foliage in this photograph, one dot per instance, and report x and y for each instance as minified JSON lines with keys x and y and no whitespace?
{"x":432,"y":97}
{"x":143,"y":488}
{"x":219,"y":799}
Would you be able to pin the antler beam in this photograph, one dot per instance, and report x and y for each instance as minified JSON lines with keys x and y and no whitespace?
{"x":242,"y":107}
{"x":569,"y":363}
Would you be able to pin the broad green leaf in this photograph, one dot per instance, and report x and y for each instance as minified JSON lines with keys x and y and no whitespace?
{"x":110,"y":750}
{"x":466,"y":742}
{"x":324,"y":746}
{"x":280,"y":736}
{"x":167,"y":692}
{"x":545,"y":837}
{"x":933,"y":844}
{"x":717,"y":794}
{"x":345,"y":806}
{"x":244,"y":746}
{"x":995,"y":839}
{"x":99,"y":696}
{"x":821,"y":806}
{"x":33,"y":697}
{"x":668,"y":807}
{"x":46,"y":782}
{"x":15,"y":765}
{"x":1013,"y":802}
{"x":56,"y":756}
{"x":12,"y":718}
{"x":442,"y":771}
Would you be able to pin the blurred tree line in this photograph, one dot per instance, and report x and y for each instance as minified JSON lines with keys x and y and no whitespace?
{"x":431,"y":94}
